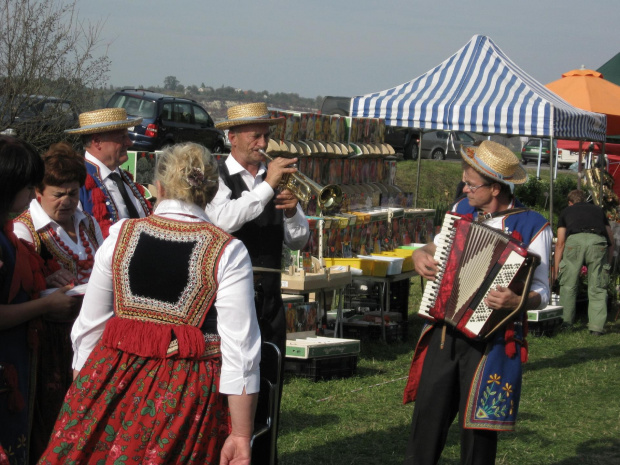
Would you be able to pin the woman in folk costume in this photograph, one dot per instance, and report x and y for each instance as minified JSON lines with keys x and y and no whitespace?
{"x":66,"y":238}
{"x":167,"y":345}
{"x":480,"y":380}
{"x":21,"y":312}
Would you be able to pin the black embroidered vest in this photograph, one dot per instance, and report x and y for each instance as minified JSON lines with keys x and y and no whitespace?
{"x":263,"y":237}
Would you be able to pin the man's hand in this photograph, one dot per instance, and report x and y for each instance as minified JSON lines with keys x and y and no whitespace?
{"x":425,"y":263}
{"x":286,"y":201}
{"x":502,"y":298}
{"x":278,"y":168}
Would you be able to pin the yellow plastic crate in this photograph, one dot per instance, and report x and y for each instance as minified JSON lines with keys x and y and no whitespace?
{"x":402,"y":253}
{"x":364,"y":264}
{"x":380,"y":268}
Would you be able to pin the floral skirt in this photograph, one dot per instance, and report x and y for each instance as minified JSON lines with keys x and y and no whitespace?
{"x":124,"y":408}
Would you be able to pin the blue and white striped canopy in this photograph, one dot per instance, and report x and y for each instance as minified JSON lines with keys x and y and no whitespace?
{"x":480,"y":89}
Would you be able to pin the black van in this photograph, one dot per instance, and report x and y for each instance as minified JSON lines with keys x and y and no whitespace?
{"x":167,"y":120}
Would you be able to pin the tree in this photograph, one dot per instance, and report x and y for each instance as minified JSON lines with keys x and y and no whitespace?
{"x":171,"y":83}
{"x":46,"y":49}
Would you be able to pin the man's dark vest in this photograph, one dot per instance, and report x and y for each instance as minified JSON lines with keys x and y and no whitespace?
{"x":263,"y":237}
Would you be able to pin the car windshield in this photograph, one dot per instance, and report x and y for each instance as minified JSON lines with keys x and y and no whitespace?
{"x":536,"y":143}
{"x":135,"y":106}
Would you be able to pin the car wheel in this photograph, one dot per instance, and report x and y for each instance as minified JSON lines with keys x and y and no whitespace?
{"x":411,"y":151}
{"x":438,"y":155}
{"x":524,"y":161}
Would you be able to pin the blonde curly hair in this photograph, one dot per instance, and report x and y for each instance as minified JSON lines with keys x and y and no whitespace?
{"x":188,"y":172}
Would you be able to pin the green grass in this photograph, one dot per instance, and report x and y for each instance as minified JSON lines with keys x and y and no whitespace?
{"x":569,"y":414}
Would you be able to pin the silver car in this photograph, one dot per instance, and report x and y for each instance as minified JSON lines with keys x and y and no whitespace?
{"x":440,"y":145}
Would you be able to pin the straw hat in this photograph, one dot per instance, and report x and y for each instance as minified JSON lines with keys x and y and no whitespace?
{"x":495,"y":161}
{"x":249,"y":113}
{"x":104,"y":120}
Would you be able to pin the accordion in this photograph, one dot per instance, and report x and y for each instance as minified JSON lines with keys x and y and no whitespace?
{"x":474,"y":259}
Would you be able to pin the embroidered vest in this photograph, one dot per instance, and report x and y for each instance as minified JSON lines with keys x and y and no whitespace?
{"x":45,"y":245}
{"x":97,"y":201}
{"x":165,"y":282}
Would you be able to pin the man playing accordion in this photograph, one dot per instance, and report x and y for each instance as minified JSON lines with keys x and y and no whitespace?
{"x":480,"y":379}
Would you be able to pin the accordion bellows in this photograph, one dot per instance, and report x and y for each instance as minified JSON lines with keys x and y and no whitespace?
{"x":473,"y":259}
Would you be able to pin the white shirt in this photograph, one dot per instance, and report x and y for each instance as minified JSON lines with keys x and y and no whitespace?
{"x":231,"y":215}
{"x":236,"y":315}
{"x":541,"y":246}
{"x":41,"y":220}
{"x":110,"y":185}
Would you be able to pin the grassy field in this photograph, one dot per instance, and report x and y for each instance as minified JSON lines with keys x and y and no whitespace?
{"x":570,"y":407}
{"x":569,"y":414}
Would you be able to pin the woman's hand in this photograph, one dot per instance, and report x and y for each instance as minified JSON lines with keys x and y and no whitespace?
{"x":59,"y":278}
{"x":62,"y":307}
{"x":236,"y":451}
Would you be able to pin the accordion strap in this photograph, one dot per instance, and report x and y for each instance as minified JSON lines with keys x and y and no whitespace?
{"x":512,"y":211}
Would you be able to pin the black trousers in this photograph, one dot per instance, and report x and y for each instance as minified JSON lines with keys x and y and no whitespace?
{"x":442,"y":393}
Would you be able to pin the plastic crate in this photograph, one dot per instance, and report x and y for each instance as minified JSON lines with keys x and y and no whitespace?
{"x":322,"y":368}
{"x":394,"y":332}
{"x":546,"y":327}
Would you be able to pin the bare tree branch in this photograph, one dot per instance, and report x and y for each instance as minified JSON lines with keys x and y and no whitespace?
{"x":47,"y":50}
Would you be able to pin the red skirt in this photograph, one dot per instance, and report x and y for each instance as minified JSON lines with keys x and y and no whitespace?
{"x":124,"y":408}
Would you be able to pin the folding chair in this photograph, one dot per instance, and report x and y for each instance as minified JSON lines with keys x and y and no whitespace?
{"x":267,"y":410}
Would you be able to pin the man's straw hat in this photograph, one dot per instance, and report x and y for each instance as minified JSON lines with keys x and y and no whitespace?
{"x":495,"y":161}
{"x":104,"y":120}
{"x":249,"y":113}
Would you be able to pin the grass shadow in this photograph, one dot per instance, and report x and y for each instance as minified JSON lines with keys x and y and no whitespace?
{"x":296,"y":422}
{"x":574,"y":357}
{"x":595,"y":452}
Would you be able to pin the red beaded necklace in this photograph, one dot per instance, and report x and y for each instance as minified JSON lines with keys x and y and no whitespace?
{"x":83,"y":267}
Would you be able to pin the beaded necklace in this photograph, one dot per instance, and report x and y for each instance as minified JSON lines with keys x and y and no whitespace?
{"x":83,"y":268}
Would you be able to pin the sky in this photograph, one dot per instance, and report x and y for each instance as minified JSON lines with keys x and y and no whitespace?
{"x":340,"y":47}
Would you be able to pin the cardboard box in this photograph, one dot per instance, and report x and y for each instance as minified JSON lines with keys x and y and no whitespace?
{"x":303,"y":281}
{"x":548,"y":313}
{"x":318,"y":346}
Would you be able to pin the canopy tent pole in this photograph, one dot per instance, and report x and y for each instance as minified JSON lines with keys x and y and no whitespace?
{"x":551,"y":151}
{"x":417,"y":182}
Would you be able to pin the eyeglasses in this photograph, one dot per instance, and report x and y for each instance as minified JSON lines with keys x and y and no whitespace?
{"x":473,"y":189}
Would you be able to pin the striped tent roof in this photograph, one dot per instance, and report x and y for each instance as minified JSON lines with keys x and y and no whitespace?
{"x":480,"y":89}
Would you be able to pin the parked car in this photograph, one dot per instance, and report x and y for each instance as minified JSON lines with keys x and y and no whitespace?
{"x":38,"y":119}
{"x":336,"y":106}
{"x":167,"y":120}
{"x":440,"y":145}
{"x":532,"y":148}
{"x":568,"y":152}
{"x":404,"y":140}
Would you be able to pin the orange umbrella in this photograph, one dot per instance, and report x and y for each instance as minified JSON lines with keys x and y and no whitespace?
{"x":586,"y":89}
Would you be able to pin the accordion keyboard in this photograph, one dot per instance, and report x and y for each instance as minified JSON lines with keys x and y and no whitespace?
{"x":441,"y":255}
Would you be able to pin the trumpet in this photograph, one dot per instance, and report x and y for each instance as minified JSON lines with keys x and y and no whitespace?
{"x":327,"y":198}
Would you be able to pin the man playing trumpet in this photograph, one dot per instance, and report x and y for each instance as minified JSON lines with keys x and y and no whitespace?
{"x":249,"y":206}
